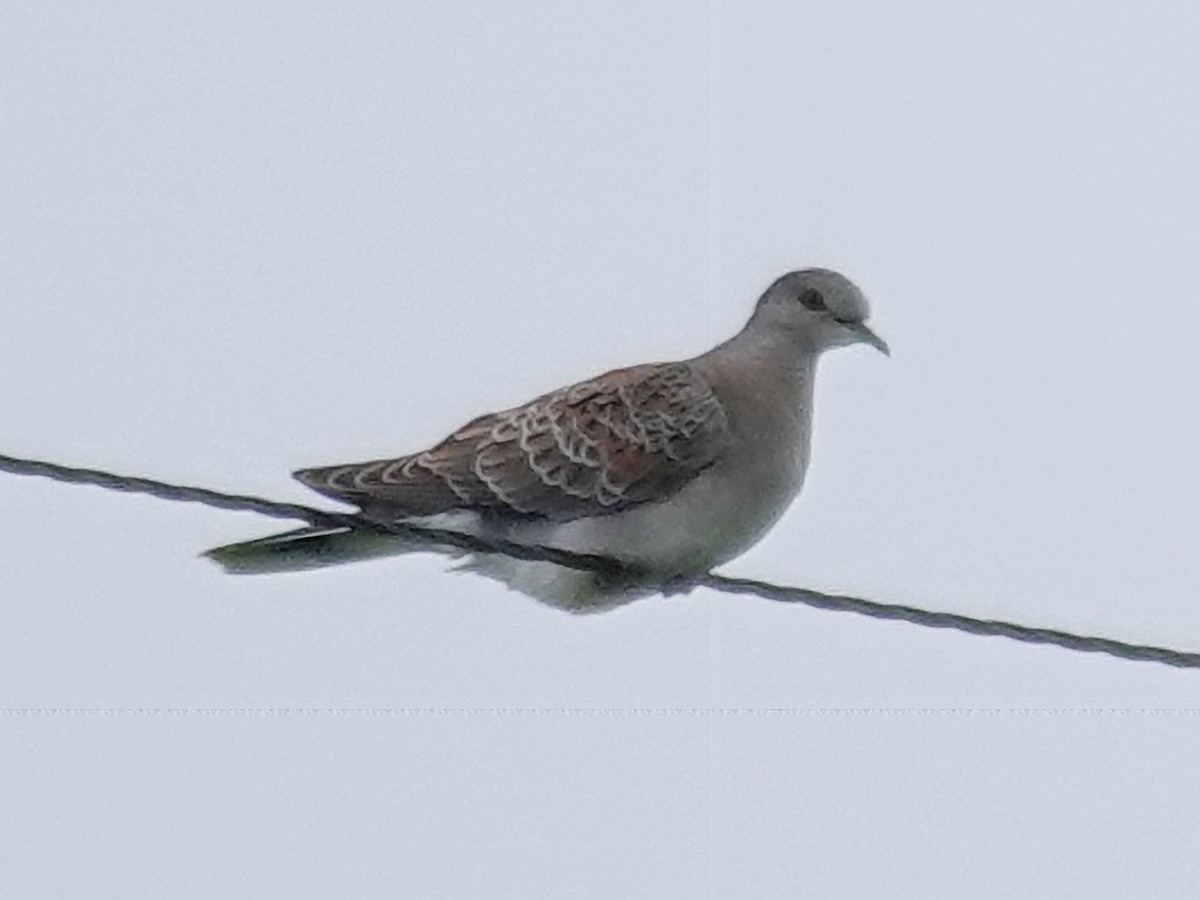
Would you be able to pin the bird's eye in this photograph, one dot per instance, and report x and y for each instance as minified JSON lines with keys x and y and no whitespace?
{"x":812,"y":299}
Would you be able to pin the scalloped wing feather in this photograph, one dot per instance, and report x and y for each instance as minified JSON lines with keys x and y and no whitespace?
{"x":628,"y":437}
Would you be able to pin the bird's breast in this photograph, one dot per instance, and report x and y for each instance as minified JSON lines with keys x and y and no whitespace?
{"x":715,"y":517}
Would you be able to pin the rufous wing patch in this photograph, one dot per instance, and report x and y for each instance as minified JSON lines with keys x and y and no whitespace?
{"x":629,"y":436}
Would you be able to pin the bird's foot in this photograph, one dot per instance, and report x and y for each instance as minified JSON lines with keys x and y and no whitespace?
{"x":678,"y":586}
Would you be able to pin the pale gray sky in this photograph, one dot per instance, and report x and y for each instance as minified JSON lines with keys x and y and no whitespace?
{"x":236,"y":239}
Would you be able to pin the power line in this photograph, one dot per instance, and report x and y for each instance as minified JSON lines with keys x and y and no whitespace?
{"x":604,"y":565}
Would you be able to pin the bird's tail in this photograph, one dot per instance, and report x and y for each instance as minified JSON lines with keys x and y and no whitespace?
{"x":309,"y":548}
{"x":313,"y":548}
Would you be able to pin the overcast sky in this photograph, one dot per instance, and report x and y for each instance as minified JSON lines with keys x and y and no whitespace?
{"x":237,"y":239}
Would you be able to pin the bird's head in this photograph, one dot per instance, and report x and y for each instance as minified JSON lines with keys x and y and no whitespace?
{"x":820,"y":309}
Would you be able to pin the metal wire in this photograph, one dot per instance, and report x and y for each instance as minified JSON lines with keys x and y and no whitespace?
{"x":604,"y":565}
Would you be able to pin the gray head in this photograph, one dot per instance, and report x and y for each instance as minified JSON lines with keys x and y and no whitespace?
{"x":820,"y":308}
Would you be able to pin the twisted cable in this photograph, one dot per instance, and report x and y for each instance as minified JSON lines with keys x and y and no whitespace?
{"x":604,"y":565}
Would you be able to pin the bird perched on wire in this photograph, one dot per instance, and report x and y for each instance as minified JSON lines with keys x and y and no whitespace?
{"x":668,"y":468}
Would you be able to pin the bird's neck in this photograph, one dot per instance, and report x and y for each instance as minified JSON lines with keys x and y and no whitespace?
{"x":769,"y":370}
{"x":766,"y":387}
{"x":775,"y":352}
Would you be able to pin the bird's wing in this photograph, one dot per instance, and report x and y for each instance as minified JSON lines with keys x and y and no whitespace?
{"x":629,"y":436}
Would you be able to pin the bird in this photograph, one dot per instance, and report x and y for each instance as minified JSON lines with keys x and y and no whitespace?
{"x":668,"y":469}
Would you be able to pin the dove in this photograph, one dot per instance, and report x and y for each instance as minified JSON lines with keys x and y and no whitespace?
{"x":669,"y":468}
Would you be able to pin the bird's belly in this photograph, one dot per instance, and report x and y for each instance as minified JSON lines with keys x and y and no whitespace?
{"x":710,"y":521}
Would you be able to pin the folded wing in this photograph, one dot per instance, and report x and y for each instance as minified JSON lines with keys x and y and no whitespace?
{"x":628,"y":437}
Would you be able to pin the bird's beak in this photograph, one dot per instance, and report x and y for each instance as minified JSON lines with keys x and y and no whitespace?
{"x":867,"y":336}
